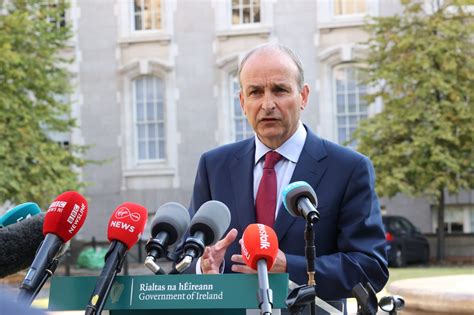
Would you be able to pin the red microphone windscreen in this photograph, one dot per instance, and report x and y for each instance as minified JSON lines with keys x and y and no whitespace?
{"x":66,"y":215}
{"x":259,"y":242}
{"x":127,"y":223}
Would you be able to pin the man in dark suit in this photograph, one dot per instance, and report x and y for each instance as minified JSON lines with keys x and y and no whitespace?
{"x":349,"y":238}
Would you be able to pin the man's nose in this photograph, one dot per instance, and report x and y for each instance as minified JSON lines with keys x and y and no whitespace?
{"x":268,"y":102}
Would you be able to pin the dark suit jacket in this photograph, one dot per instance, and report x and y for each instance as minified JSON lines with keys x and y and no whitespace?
{"x":349,"y":238}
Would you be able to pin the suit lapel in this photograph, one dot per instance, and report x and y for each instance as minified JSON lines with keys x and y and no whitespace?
{"x":309,"y":168}
{"x":241,"y":170}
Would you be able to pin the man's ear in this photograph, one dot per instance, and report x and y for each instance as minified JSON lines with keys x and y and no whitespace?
{"x":304,"y":96}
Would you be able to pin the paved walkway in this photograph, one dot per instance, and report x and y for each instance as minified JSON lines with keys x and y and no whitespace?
{"x":437,"y":295}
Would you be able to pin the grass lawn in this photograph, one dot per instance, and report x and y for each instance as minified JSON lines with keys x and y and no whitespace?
{"x":427,"y":271}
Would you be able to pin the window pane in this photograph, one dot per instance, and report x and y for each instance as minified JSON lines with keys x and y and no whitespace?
{"x":152,"y":150}
{"x":140,"y":112}
{"x":150,"y":111}
{"x":152,"y":131}
{"x":147,"y":15}
{"x":160,"y":111}
{"x":341,"y":121}
{"x":149,"y":88}
{"x":138,"y":22}
{"x":337,"y":7}
{"x":341,"y":104}
{"x":351,"y":82}
{"x":161,"y":130}
{"x":246,"y":15}
{"x":363,"y":107}
{"x":141,"y":132}
{"x":142,"y":150}
{"x":139,"y":86}
{"x":242,"y":129}
{"x":237,"y":108}
{"x":256,"y":14}
{"x":351,"y":102}
{"x":341,"y":135}
{"x":353,"y":120}
{"x":138,"y":14}
{"x":235,"y":16}
{"x":340,"y":86}
{"x":162,"y":149}
{"x":157,"y":14}
{"x":471,"y":211}
{"x":238,"y":125}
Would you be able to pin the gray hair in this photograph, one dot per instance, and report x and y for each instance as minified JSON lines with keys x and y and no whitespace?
{"x":279,"y":47}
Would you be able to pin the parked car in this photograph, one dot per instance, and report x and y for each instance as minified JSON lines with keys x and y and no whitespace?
{"x":405,"y":242}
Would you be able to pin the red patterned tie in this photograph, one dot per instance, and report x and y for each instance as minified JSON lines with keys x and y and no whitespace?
{"x":265,"y":203}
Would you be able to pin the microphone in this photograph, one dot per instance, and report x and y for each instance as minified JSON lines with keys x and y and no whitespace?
{"x":207,"y":227}
{"x":259,"y":252}
{"x":19,"y":243}
{"x":300,"y":199}
{"x":19,"y":213}
{"x":167,"y":228}
{"x":124,"y":229}
{"x":64,"y":218}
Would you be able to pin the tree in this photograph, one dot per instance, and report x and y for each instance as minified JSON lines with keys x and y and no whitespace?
{"x":421,"y":67}
{"x":33,"y":76}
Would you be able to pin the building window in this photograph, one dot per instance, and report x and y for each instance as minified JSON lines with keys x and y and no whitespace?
{"x":349,"y":7}
{"x":351,"y":106}
{"x":242,"y":129}
{"x":457,"y":219}
{"x":245,"y":11}
{"x":149,"y":107}
{"x":147,"y":15}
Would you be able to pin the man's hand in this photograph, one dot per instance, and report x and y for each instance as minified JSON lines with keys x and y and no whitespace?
{"x":278,"y":267}
{"x":213,"y":256}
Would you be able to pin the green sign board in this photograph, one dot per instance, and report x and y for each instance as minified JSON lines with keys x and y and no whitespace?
{"x":166,"y":292}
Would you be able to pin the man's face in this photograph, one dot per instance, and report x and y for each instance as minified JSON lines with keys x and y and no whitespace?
{"x":270,"y":97}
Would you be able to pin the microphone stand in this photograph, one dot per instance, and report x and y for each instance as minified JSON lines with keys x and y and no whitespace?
{"x":31,"y":286}
{"x":105,"y":280}
{"x":302,"y":295}
{"x":265,"y":294}
{"x":310,"y":253}
{"x":28,"y":297}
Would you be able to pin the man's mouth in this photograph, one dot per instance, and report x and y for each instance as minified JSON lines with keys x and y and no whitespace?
{"x":268,"y":119}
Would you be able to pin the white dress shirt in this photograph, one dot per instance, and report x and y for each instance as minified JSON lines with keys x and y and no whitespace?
{"x":290,"y":150}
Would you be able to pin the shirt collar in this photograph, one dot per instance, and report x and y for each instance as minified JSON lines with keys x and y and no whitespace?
{"x":290,"y":149}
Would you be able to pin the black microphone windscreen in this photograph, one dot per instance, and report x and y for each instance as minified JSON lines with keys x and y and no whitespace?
{"x":212,"y":218}
{"x":172,"y":218}
{"x":18,"y":244}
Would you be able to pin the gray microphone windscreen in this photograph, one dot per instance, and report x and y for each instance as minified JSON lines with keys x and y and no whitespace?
{"x":18,"y":244}
{"x":293,"y":192}
{"x":172,"y":218}
{"x":213,"y":219}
